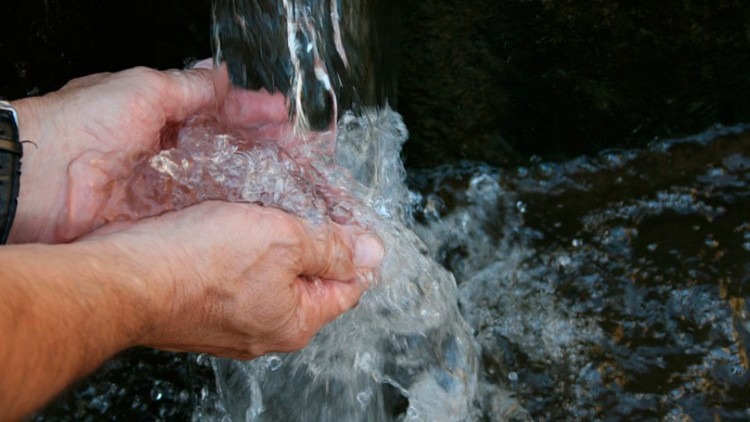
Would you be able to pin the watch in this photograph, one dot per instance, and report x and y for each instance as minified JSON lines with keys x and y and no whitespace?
{"x":11,"y":151}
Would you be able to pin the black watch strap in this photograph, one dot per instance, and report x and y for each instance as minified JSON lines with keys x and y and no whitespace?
{"x":11,"y":151}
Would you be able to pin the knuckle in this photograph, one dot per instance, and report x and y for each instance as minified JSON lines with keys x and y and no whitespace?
{"x":142,"y":72}
{"x":297,"y":342}
{"x":301,"y":341}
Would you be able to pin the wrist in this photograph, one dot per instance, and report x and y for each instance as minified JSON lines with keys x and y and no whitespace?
{"x":28,"y":117}
{"x":145,"y":276}
{"x":129,"y":282}
{"x":11,"y":151}
{"x":33,"y":212}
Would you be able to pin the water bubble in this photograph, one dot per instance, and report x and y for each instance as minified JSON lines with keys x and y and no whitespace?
{"x":513,"y":377}
{"x":546,"y":169}
{"x":203,"y":359}
{"x":433,"y":207}
{"x":563,"y":260}
{"x":100,"y":403}
{"x":737,"y":370}
{"x":677,"y":393}
{"x":364,"y":398}
{"x":521,"y":207}
{"x":716,"y":172}
{"x":273,"y":362}
{"x":577,"y":243}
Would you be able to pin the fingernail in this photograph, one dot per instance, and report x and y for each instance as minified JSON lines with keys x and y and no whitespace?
{"x":202,"y":64}
{"x":368,"y":251}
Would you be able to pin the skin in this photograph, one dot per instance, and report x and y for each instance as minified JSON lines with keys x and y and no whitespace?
{"x":233,"y":280}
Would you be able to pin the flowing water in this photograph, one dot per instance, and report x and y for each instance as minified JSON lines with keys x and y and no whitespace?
{"x":605,"y":287}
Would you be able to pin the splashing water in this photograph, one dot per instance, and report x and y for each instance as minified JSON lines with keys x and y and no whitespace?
{"x":405,"y":351}
{"x":604,"y":287}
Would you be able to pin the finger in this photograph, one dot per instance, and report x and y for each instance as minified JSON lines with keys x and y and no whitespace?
{"x":281,"y":134}
{"x":336,"y":252}
{"x":191,"y":91}
{"x":252,"y":108}
{"x":326,"y":300}
{"x":203,"y":64}
{"x":85,"y":81}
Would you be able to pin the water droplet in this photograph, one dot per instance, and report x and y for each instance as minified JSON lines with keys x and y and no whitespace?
{"x":513,"y":377}
{"x":521,"y":207}
{"x":577,"y":243}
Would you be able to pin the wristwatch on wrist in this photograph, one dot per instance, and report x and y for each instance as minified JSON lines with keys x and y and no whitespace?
{"x":11,"y":151}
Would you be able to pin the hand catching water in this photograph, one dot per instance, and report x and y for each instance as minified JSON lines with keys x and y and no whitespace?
{"x":248,"y":280}
{"x":87,"y":136}
{"x":235,"y":280}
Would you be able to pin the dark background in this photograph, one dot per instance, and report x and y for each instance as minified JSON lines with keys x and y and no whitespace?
{"x":487,"y":80}
{"x":45,"y":43}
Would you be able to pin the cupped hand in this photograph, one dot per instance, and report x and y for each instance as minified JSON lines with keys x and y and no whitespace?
{"x":241,"y":280}
{"x":88,"y":135}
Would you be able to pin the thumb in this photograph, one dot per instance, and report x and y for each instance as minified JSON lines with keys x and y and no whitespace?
{"x":336,"y":252}
{"x":336,"y":264}
{"x":194,"y":90}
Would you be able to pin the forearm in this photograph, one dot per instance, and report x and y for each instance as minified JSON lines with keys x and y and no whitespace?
{"x":63,"y":311}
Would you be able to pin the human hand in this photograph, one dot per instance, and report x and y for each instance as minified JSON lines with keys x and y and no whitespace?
{"x":240,"y":280}
{"x":88,"y":135}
